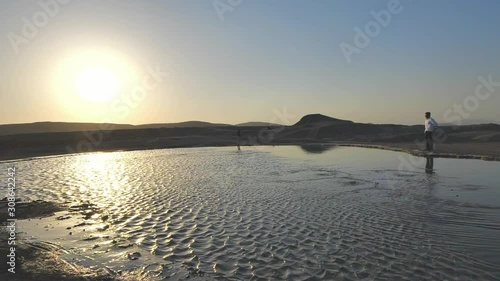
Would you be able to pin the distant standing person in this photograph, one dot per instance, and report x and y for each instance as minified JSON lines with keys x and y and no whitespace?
{"x":430,"y":125}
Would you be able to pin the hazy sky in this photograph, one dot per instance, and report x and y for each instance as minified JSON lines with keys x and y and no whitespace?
{"x":246,"y":62}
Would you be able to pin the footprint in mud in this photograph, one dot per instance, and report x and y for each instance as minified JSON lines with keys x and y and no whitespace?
{"x":95,"y":237}
{"x":122,"y":244}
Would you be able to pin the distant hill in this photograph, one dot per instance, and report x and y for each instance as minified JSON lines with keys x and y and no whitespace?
{"x":319,"y":119}
{"x":54,"y":127}
{"x":471,"y":122}
{"x":60,"y":127}
{"x":324,"y":126}
{"x":257,"y":124}
{"x":186,"y":124}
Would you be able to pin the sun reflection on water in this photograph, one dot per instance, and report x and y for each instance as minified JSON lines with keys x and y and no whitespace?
{"x":102,"y":175}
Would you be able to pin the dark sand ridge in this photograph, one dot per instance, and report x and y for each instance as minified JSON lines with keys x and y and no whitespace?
{"x":472,"y":141}
{"x":38,"y":262}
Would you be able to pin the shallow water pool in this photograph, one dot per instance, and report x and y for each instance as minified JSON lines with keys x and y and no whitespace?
{"x":287,"y":212}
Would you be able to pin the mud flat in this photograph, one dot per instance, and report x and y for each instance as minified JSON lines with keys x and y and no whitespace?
{"x":45,"y":247}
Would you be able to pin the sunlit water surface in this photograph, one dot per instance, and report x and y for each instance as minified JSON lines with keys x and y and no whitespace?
{"x":289,"y":213}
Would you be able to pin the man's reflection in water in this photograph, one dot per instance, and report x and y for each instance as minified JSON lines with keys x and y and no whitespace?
{"x":429,"y":165}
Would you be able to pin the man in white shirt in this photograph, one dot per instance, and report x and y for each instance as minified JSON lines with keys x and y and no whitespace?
{"x":430,"y":125}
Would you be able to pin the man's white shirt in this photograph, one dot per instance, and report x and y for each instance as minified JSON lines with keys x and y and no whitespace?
{"x":430,"y":124}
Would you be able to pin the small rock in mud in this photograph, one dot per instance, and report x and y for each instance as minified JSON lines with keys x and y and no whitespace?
{"x":90,"y":238}
{"x":102,"y":228}
{"x":60,"y":218}
{"x":125,"y":245}
{"x":82,"y":224}
{"x":134,"y":256}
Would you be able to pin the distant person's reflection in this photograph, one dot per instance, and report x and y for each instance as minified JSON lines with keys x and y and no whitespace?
{"x":238,"y":135}
{"x":429,"y":165}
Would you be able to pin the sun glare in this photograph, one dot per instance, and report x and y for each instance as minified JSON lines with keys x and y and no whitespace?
{"x":86,"y":81}
{"x":97,"y":84}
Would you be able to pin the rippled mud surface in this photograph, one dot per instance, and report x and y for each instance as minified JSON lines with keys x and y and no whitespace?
{"x":286,"y":213}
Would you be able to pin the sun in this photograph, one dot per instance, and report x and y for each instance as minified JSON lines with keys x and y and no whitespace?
{"x":97,"y":84}
{"x":86,"y":81}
